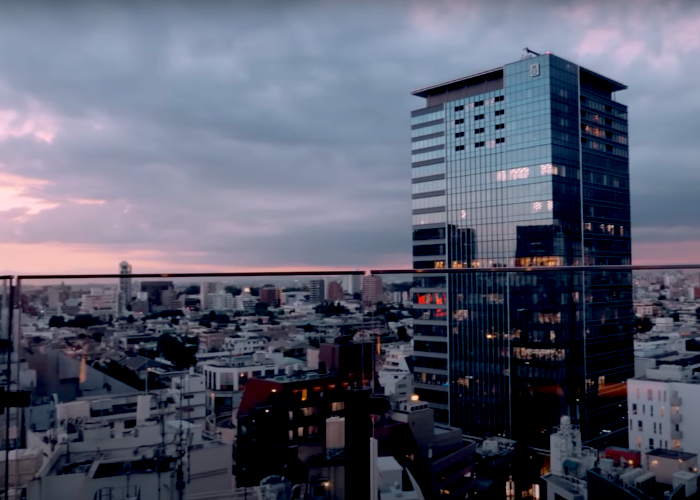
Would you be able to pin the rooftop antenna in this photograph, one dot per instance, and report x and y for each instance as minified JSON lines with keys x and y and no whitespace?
{"x":529,"y":53}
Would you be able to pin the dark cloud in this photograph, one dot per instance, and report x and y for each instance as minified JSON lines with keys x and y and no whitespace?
{"x":276,"y":133}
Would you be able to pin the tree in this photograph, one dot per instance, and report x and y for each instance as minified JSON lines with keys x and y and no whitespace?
{"x":83,"y":321}
{"x":57,"y":322}
{"x":402,"y":333}
{"x":643,"y":325}
{"x":233,"y":290}
{"x":331,"y":309}
{"x":179,"y":353}
{"x":192,"y":290}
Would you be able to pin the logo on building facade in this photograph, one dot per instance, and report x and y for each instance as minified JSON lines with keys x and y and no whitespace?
{"x":535,"y":69}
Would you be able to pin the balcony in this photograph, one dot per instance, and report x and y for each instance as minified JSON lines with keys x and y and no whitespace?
{"x":675,"y":399}
{"x":676,"y":434}
{"x":676,"y":417}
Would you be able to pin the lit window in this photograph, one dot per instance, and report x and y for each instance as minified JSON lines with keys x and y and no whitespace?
{"x":587,"y":226}
{"x":663,"y":411}
{"x":537,"y":206}
{"x":501,"y":176}
{"x":550,"y":205}
{"x":303,"y":395}
{"x":300,"y":432}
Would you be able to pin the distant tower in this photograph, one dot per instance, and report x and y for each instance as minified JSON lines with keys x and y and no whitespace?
{"x":317,"y":290}
{"x":334,"y":291}
{"x":124,"y":287}
{"x":372,"y":290}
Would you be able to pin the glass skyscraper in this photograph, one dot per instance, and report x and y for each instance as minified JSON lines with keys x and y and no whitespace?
{"x":523,"y":166}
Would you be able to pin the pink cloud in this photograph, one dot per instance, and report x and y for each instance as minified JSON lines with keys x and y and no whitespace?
{"x":629,"y":51}
{"x":598,"y":41}
{"x":675,"y":252}
{"x":13,"y":194}
{"x":87,"y":201}
{"x":35,"y":123}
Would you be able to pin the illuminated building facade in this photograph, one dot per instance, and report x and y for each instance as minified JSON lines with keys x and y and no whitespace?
{"x":523,"y":166}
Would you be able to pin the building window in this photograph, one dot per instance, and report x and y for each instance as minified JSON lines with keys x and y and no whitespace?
{"x":639,"y":442}
{"x":500,"y":126}
{"x":478,"y":130}
{"x":459,"y":134}
{"x":650,"y":394}
{"x":501,"y":140}
{"x":651,"y":410}
{"x":499,"y":98}
{"x":676,"y":443}
{"x":478,"y":117}
{"x":654,"y":427}
{"x":637,"y":392}
{"x":459,"y":122}
{"x":500,"y":112}
{"x":291,"y":435}
{"x":634,"y":409}
{"x":663,"y":411}
{"x":651,"y":443}
{"x":644,"y":409}
{"x":660,"y":431}
{"x":479,"y":144}
{"x":459,"y":148}
{"x":459,"y":108}
{"x":639,"y":426}
{"x":300,"y":432}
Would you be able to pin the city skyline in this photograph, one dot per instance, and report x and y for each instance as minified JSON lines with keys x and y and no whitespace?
{"x":93,"y":171}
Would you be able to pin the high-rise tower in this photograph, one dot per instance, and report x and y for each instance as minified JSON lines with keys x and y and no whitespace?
{"x":124,"y":299}
{"x":523,"y":166}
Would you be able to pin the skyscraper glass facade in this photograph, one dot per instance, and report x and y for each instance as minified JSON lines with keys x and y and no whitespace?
{"x":524,"y":166}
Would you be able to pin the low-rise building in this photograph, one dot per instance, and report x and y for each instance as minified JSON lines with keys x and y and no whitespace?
{"x":239,"y":346}
{"x":664,"y":403}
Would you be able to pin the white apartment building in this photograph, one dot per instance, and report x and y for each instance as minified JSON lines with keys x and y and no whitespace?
{"x":245,"y":301}
{"x":663,"y":406}
{"x":238,"y":346}
{"x":226,"y":376}
{"x":206,"y":289}
{"x":99,"y":302}
{"x":218,"y":301}
{"x":396,"y":376}
{"x":89,"y":456}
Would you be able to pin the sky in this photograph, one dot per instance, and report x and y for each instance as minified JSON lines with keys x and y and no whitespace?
{"x":230,"y":136}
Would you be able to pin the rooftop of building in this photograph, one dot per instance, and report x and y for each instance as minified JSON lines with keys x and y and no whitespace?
{"x":673,"y":454}
{"x":495,"y":74}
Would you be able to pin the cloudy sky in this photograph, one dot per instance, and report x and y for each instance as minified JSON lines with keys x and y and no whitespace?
{"x":193,"y":136}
